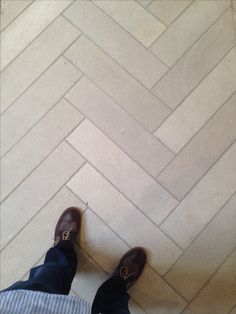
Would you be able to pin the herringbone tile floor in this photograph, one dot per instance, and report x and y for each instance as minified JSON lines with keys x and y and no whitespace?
{"x":126,"y":109}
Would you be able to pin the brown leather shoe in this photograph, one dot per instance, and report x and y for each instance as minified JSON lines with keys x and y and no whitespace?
{"x":131,"y":266}
{"x":68,"y":225}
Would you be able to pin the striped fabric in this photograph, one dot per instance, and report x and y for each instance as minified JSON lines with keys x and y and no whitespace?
{"x":34,"y":302}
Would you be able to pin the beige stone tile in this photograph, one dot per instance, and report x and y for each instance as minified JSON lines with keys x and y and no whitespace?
{"x":107,"y":248}
{"x":118,"y":213}
{"x":47,"y":134}
{"x":11,"y":9}
{"x":204,"y":149}
{"x":206,"y":253}
{"x":100,"y":242}
{"x":86,"y":282}
{"x":37,"y":189}
{"x":36,"y":101}
{"x":124,"y":173}
{"x":35,"y":59}
{"x":136,"y":20}
{"x":134,"y":308}
{"x":121,"y":128}
{"x":204,"y":201}
{"x":144,"y":3}
{"x":18,"y":253}
{"x":116,"y":42}
{"x":200,"y":105}
{"x":197,"y":62}
{"x":18,"y":35}
{"x":116,"y":82}
{"x":73,"y":294}
{"x":182,"y":34}
{"x":234,"y":4}
{"x":155,"y":295}
{"x":219,"y":295}
{"x":168,"y":11}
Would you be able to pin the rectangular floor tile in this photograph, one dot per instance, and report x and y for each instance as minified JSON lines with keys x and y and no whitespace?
{"x":17,"y":253}
{"x":107,"y":250}
{"x":36,"y":101}
{"x":168,"y":11}
{"x":35,"y":59}
{"x":204,"y":201}
{"x":234,"y":4}
{"x":103,"y":30}
{"x":144,"y":3}
{"x":197,"y":62}
{"x":18,"y":35}
{"x":200,"y":105}
{"x":118,"y":212}
{"x":11,"y":9}
{"x":37,"y":189}
{"x":121,"y":128}
{"x":87,"y":281}
{"x":182,"y":34}
{"x":136,"y":20}
{"x":124,"y":173}
{"x":134,"y":308}
{"x":116,"y":82}
{"x":155,"y":295}
{"x":46,"y":134}
{"x":204,"y":149}
{"x":219,"y":295}
{"x":206,"y":254}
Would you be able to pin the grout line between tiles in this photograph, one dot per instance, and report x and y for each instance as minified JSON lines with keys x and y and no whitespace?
{"x":42,"y":207}
{"x":190,"y":140}
{"x":207,"y":170}
{"x":149,"y":174}
{"x":155,"y":17}
{"x":16,"y":16}
{"x":202,"y":79}
{"x":207,"y":29}
{"x":122,"y":108}
{"x":173,"y":110}
{"x":168,"y":25}
{"x":36,"y":37}
{"x":116,"y":62}
{"x":205,"y":227}
{"x":117,"y":103}
{"x":38,"y":77}
{"x":136,"y":162}
{"x":210,"y":278}
{"x":43,"y":116}
{"x":127,"y":32}
{"x":199,"y":83}
{"x":160,"y":226}
{"x":43,"y":159}
{"x":125,"y":196}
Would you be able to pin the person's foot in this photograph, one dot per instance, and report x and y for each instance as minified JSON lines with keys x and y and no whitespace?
{"x":131,"y":266}
{"x":68,"y":225}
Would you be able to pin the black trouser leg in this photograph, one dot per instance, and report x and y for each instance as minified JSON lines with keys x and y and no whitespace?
{"x":55,"y":275}
{"x":111,"y":298}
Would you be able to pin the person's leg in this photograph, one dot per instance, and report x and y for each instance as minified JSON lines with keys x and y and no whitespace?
{"x":55,"y":275}
{"x":112,"y":296}
{"x":59,"y":268}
